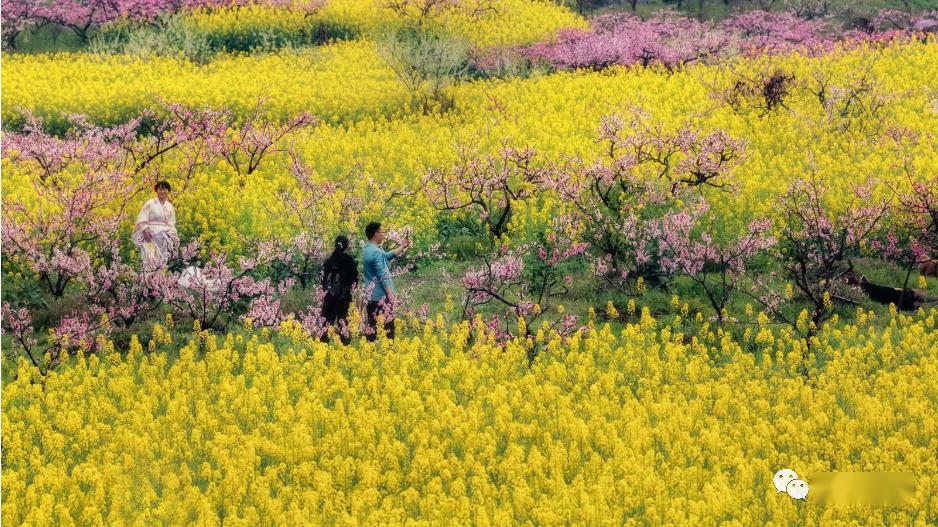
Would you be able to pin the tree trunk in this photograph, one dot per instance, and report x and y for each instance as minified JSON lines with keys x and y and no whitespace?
{"x":905,"y":285}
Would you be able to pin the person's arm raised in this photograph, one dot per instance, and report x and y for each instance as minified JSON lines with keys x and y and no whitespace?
{"x":402,"y":248}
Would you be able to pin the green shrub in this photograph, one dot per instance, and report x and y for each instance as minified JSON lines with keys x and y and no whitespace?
{"x":427,"y":62}
{"x":174,"y":36}
{"x":170,"y":36}
{"x":462,"y":235}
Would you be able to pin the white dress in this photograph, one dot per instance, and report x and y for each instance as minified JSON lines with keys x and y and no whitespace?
{"x":159,"y":219}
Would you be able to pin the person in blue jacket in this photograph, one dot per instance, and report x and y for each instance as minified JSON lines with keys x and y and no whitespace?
{"x":377,"y":274}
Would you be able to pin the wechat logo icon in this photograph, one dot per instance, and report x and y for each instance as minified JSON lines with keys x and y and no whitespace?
{"x":786,"y":480}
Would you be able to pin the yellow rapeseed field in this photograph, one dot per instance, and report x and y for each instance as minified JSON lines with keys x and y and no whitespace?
{"x":638,"y":426}
{"x":368,"y":123}
{"x":502,"y":22}
{"x":635,"y":422}
{"x":342,"y":82}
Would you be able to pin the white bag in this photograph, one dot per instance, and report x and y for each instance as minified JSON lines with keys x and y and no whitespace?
{"x":193,"y":277}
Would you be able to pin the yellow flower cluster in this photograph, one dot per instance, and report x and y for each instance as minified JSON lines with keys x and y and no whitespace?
{"x":343,"y":82}
{"x":250,"y":19}
{"x":367,"y":121}
{"x":560,"y":114}
{"x":502,"y":22}
{"x":512,"y":22}
{"x":634,"y":426}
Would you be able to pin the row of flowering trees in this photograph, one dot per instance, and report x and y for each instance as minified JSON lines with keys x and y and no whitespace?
{"x":64,"y":229}
{"x":671,"y":40}
{"x":83,"y":16}
{"x":639,"y":215}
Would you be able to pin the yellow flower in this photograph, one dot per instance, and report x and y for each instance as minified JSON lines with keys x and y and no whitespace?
{"x":433,"y":431}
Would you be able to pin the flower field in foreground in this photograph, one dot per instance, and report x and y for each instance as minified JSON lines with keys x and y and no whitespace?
{"x":638,"y":426}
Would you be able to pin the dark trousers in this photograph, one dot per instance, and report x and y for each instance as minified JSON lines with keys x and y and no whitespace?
{"x":375,"y":309}
{"x":335,"y":311}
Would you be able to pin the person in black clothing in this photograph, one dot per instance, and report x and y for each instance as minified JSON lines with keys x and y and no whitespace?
{"x":339,"y":276}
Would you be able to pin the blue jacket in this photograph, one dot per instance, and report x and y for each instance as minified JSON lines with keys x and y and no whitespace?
{"x":376,"y":270}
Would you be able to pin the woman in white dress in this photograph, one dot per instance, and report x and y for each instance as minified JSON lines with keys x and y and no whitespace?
{"x":155,"y":231}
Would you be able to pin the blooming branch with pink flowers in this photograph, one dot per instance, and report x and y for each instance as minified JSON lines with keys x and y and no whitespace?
{"x":489,"y":185}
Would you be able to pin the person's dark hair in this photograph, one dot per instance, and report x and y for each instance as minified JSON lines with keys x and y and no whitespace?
{"x":371,"y":229}
{"x":341,"y":243}
{"x":162,"y":184}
